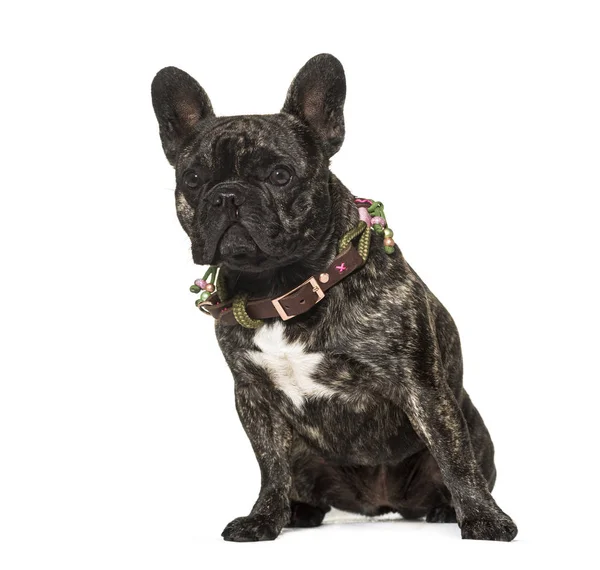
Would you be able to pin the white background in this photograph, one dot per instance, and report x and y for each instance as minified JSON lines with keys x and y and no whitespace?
{"x":476,"y":123}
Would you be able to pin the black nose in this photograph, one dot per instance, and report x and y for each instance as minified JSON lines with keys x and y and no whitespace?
{"x":228,"y":198}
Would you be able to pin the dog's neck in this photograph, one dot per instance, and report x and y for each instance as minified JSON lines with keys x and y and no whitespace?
{"x":275,"y":282}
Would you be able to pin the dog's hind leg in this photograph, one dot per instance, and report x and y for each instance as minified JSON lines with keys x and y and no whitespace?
{"x":308,"y":505}
{"x":419,"y":490}
{"x":441,"y":514}
{"x":305,"y":516}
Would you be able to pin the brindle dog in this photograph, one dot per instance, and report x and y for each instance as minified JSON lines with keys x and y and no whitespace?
{"x":357,"y":404}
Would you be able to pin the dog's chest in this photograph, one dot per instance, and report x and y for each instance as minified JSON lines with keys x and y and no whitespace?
{"x":291,"y":367}
{"x":328,"y":404}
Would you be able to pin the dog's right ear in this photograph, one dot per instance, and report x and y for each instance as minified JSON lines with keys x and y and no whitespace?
{"x":180,"y":104}
{"x":316,"y":97}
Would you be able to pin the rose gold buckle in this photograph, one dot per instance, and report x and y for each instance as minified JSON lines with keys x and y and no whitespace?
{"x":277,"y":302}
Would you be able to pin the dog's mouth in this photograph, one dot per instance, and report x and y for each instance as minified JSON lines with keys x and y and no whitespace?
{"x":236,"y":248}
{"x":243,"y":248}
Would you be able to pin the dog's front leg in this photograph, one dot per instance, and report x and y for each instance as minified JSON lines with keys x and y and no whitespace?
{"x":436,"y":416}
{"x":271,"y":437}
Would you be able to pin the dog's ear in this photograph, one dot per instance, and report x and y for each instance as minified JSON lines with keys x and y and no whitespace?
{"x":180,"y":104}
{"x":316,"y":96}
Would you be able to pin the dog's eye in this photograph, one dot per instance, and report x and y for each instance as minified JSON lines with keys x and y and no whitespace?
{"x":191,"y":179}
{"x":280,"y":176}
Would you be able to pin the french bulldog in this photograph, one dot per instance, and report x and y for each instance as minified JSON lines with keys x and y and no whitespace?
{"x":358,"y":403}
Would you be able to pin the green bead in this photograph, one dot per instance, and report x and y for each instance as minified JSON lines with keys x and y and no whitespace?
{"x":388,"y":233}
{"x":389,"y":249}
{"x":195,"y":289}
{"x":377,"y":229}
{"x":197,"y":302}
{"x":205,"y":295}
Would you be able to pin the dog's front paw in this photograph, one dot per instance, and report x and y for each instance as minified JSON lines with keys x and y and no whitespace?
{"x":251,"y":529}
{"x":500,"y":528}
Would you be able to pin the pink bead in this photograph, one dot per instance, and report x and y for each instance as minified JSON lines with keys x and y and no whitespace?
{"x":364,"y":215}
{"x":363,"y":201}
{"x":378,"y":220}
{"x":201,"y":283}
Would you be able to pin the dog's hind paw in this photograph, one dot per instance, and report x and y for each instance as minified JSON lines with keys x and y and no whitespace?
{"x":305,"y":515}
{"x":501,"y":528}
{"x":441,"y":514}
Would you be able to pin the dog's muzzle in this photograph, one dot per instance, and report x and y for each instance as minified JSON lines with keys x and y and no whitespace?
{"x":225,"y":199}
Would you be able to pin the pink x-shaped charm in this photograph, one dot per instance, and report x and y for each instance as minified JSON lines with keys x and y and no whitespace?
{"x":341,"y":268}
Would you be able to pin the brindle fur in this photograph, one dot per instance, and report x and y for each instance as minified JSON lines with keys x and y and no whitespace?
{"x":399,"y":434}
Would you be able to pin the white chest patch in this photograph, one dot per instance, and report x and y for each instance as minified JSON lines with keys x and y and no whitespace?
{"x":291,"y":368}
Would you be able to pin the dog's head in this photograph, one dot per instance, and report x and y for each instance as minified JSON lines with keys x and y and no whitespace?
{"x":252,"y":190}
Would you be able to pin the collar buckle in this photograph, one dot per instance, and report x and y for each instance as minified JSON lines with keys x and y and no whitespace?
{"x":316,"y":289}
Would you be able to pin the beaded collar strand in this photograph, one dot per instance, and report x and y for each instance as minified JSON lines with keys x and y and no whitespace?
{"x":371,"y":216}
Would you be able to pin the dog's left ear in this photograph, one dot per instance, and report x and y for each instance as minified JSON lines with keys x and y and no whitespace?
{"x":316,"y":96}
{"x":180,"y":104}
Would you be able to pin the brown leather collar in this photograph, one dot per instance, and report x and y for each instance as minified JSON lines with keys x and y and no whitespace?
{"x":294,"y":302}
